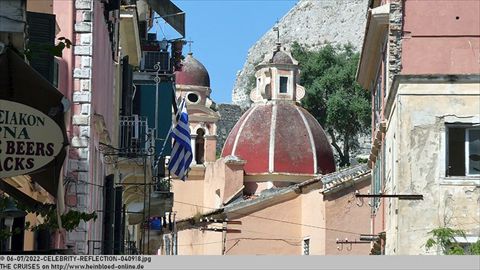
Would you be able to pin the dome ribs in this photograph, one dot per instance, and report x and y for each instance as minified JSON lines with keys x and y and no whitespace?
{"x":293,"y":153}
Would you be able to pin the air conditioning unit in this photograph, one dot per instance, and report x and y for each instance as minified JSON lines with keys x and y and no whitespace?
{"x":150,"y":59}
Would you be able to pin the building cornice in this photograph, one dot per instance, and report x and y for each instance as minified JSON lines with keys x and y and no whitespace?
{"x":425,"y":79}
{"x":376,"y":28}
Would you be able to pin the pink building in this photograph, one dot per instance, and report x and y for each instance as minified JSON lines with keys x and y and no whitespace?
{"x":87,"y":74}
{"x":420,"y":61}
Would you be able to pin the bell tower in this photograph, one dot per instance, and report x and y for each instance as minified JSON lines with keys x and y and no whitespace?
{"x":277,"y":78}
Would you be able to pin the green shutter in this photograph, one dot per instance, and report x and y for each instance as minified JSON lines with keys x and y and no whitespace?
{"x":41,"y":35}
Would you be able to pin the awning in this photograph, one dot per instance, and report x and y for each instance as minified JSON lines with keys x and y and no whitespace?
{"x":172,"y":14}
{"x":22,"y":84}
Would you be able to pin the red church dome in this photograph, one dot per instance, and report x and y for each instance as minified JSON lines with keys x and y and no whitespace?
{"x":280,"y":138}
{"x":192,"y":73}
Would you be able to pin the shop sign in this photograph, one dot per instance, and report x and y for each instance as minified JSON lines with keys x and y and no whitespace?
{"x":29,"y":139}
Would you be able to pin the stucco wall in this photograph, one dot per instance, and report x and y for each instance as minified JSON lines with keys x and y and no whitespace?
{"x":42,"y":6}
{"x":188,"y":199}
{"x":420,"y":163}
{"x":273,"y":230}
{"x":64,"y":17}
{"x":103,"y":70}
{"x":441,"y":37}
{"x":197,"y":242}
{"x":314,"y":215}
{"x":346,"y":218}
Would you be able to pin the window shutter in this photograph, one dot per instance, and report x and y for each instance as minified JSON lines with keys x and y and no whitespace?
{"x":41,"y":33}
{"x":127,"y":87}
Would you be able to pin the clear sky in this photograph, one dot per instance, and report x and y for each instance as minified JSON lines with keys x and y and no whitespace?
{"x":222,"y":31}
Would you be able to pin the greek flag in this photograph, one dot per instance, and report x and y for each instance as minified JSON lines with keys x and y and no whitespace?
{"x":181,"y":155}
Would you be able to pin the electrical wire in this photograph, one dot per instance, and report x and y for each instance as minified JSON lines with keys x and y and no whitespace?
{"x":278,"y":220}
{"x":292,"y":243}
{"x":159,"y":27}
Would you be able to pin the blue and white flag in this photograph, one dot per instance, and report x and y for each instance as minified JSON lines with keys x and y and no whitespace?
{"x":182,"y":154}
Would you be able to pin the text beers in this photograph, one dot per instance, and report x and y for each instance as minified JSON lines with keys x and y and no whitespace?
{"x":22,"y":148}
{"x":29,"y":139}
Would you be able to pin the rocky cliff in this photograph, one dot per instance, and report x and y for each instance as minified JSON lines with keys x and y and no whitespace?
{"x":229,"y":115}
{"x":311,"y":23}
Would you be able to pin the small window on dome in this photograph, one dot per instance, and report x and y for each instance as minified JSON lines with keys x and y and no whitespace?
{"x":283,"y":84}
{"x":193,"y":98}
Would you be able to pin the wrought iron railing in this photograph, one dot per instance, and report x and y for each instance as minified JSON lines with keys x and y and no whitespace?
{"x":136,"y":140}
{"x":130,"y":248}
{"x":94,"y":247}
{"x":134,"y":136}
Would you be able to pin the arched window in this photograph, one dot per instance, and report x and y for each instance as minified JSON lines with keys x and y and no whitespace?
{"x":200,"y":146}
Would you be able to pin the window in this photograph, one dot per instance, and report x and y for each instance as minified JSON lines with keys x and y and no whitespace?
{"x":463,"y":151}
{"x":200,"y":146}
{"x":306,"y":246}
{"x":283,"y":84}
{"x":193,"y":98}
{"x":41,"y":33}
{"x":466,"y":243}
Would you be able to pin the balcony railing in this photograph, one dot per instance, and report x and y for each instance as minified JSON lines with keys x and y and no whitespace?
{"x":136,"y":139}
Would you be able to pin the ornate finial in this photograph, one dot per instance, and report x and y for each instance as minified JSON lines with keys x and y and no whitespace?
{"x":277,"y":29}
{"x":189,"y":42}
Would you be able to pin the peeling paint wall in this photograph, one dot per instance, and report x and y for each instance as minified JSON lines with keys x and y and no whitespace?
{"x":416,"y":145}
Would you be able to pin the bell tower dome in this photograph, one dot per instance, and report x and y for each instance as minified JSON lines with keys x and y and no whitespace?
{"x":277,"y":78}
{"x":281,"y":142}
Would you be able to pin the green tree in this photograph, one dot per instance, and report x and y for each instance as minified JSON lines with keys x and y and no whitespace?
{"x":333,"y":96}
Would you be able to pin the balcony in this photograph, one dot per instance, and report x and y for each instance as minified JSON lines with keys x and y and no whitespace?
{"x":136,"y":138}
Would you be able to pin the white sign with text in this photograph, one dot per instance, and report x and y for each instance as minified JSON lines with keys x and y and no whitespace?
{"x":29,"y":139}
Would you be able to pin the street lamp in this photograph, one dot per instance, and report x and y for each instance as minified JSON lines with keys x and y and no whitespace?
{"x":9,"y":214}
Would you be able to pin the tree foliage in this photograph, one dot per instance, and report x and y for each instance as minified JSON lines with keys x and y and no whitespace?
{"x":333,"y":97}
{"x":444,"y":238}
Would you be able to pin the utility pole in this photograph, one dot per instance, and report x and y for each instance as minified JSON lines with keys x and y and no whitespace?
{"x":224,"y":237}
{"x":223,"y":229}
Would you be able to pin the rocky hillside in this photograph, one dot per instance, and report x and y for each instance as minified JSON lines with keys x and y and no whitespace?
{"x":309,"y":22}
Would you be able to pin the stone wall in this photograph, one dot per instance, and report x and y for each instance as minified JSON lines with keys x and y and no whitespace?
{"x":395,"y":39}
{"x":311,"y":23}
{"x":229,"y":115}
